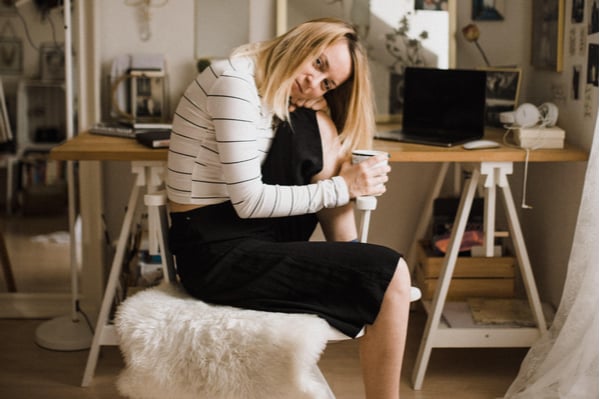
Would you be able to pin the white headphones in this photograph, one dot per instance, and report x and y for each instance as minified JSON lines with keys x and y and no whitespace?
{"x":528,"y":115}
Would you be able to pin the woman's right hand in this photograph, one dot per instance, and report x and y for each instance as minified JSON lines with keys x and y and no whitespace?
{"x":366,"y":178}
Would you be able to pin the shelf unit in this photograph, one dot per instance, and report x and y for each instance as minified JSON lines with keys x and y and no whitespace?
{"x":438,"y":332}
{"x":40,"y":115}
{"x":41,"y":125}
{"x":461,"y":331}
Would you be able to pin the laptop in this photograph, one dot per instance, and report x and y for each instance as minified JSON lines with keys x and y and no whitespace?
{"x":442,"y":107}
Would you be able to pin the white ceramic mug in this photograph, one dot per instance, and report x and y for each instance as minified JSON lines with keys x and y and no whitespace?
{"x":361,"y":155}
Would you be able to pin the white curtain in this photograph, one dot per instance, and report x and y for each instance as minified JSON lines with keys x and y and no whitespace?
{"x":564,"y":362}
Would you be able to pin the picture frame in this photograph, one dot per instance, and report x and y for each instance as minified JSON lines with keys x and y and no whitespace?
{"x":52,"y":62}
{"x":501,"y":93}
{"x":483,"y":10}
{"x":11,"y":56}
{"x":431,"y":5}
{"x":147,"y":95}
{"x":548,"y":31}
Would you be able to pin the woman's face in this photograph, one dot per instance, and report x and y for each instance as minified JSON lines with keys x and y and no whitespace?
{"x":329,"y":70}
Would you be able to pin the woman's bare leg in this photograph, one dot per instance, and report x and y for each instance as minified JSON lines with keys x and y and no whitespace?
{"x":382,"y":346}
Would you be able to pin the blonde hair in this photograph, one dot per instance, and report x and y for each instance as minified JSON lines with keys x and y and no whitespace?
{"x":278,"y":61}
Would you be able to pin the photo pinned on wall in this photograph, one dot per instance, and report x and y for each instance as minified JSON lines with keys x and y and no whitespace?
{"x":572,"y":41}
{"x":52,"y":61}
{"x":431,"y":5}
{"x":592,"y":67}
{"x":501,"y":93}
{"x":577,"y":11}
{"x":589,"y":99}
{"x":487,"y":10}
{"x":576,"y":82}
{"x":11,"y":56}
{"x":582,"y":41}
{"x":593,"y":21}
{"x":547,"y":40}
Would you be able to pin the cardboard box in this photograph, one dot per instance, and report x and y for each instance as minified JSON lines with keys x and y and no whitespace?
{"x":473,"y":276}
{"x":540,"y":137}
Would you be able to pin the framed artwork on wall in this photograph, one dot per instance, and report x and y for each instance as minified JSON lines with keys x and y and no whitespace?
{"x":431,"y":5}
{"x":52,"y":62}
{"x":487,"y":10}
{"x":548,"y":29}
{"x":501,"y":93}
{"x":11,"y":56}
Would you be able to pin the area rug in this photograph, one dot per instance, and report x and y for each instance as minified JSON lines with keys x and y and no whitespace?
{"x":175,"y":346}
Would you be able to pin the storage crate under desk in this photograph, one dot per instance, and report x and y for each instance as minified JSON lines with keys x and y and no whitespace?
{"x":492,"y":277}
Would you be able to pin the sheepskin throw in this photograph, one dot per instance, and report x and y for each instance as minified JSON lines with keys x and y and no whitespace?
{"x":179,"y":347}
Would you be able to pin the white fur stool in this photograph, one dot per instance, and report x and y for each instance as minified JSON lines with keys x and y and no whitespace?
{"x":176,"y":346}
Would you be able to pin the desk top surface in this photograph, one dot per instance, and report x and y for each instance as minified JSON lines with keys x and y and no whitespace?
{"x":92,"y":147}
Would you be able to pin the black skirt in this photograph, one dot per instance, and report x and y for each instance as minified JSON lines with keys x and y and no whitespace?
{"x":269,"y":264}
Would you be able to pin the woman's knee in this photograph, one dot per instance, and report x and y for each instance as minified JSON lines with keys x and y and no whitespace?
{"x":400,"y":283}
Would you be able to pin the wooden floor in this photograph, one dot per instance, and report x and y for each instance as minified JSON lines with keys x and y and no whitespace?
{"x":28,"y":371}
{"x":38,"y":252}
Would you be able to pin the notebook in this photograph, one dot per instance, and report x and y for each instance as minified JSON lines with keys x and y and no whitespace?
{"x":127,"y":130}
{"x":154,"y":138}
{"x":442,"y":107}
{"x":115,"y":129}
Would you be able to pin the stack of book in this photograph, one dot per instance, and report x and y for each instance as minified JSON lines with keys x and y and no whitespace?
{"x":153,"y":135}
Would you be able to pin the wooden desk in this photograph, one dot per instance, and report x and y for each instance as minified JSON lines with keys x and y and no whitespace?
{"x":94,"y":147}
{"x":493,"y":164}
{"x":91,"y":147}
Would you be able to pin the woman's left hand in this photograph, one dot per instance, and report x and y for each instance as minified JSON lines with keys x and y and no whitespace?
{"x":366,"y":178}
{"x":317,"y":104}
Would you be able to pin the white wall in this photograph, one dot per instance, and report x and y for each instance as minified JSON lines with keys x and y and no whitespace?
{"x":554,"y":189}
{"x":173,"y":29}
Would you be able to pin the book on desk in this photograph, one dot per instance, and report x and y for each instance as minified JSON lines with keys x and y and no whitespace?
{"x":154,"y":138}
{"x":137,"y":125}
{"x":152,"y":135}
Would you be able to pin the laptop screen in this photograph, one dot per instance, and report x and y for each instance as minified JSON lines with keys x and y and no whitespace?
{"x":444,"y":102}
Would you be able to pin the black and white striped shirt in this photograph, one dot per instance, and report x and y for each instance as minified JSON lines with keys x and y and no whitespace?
{"x":221,"y":135}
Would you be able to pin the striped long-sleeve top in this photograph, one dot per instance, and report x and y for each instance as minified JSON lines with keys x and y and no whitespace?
{"x":221,"y":134}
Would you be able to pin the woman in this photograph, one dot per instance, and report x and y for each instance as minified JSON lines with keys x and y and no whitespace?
{"x":258,"y":156}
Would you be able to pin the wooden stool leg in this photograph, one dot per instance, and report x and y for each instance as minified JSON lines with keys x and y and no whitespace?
{"x":6,"y":266}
